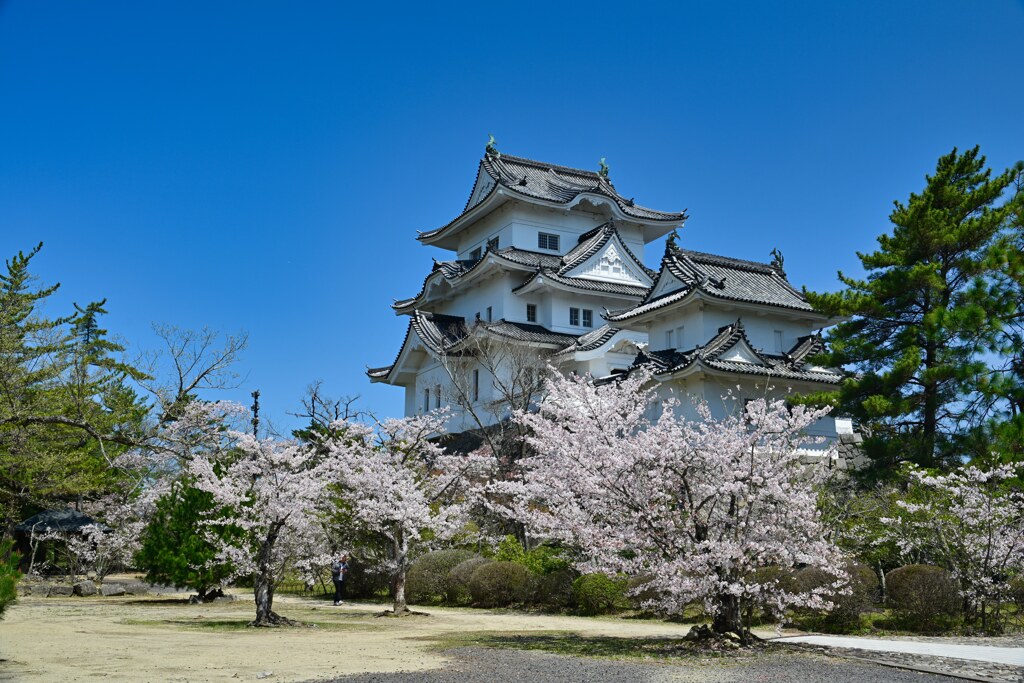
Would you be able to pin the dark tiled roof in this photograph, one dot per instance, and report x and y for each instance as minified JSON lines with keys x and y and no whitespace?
{"x":588,"y":284}
{"x":58,"y":520}
{"x":453,"y":270}
{"x":592,"y":340}
{"x":438,"y":332}
{"x":719,"y":277}
{"x":443,"y":334}
{"x":786,"y":366}
{"x":549,"y":182}
{"x":527,"y":332}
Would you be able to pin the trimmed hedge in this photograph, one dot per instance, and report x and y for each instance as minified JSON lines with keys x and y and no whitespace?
{"x":500,"y":584}
{"x":845,"y":616}
{"x":429,"y":578}
{"x":599,"y":594}
{"x":458,"y":580}
{"x":554,"y":590}
{"x":923,"y":597}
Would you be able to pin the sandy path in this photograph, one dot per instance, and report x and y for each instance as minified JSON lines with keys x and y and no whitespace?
{"x":155,"y":639}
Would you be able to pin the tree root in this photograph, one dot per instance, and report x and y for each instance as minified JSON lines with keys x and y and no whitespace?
{"x":705,"y":637}
{"x":273,"y":620}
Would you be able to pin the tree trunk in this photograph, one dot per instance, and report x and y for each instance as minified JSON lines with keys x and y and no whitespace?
{"x":401,"y":548}
{"x":729,"y":618}
{"x":263,"y":582}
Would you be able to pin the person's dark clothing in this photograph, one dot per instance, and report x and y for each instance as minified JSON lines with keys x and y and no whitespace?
{"x":338,"y":571}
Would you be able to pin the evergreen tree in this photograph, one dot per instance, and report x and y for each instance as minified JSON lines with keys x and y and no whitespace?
{"x":175,"y":549}
{"x":921,"y":320}
{"x":66,"y":410}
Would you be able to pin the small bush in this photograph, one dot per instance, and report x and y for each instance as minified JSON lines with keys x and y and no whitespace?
{"x":845,"y":616}
{"x":429,"y":578}
{"x":9,"y":574}
{"x":499,"y":584}
{"x":599,"y":594}
{"x":545,"y":559}
{"x":923,"y":598}
{"x":458,"y":580}
{"x":554,"y":590}
{"x":510,"y":550}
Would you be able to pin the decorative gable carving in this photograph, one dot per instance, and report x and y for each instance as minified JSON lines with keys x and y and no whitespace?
{"x":610,"y":263}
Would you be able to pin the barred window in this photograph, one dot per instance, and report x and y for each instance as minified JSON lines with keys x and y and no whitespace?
{"x":574,"y":317}
{"x":547,"y":240}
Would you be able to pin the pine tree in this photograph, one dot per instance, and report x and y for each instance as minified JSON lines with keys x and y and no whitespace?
{"x":926,"y":312}
{"x":175,"y":549}
{"x":66,"y":410}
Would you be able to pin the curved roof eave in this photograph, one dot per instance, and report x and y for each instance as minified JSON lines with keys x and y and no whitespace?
{"x":405,"y":306}
{"x":662,"y":226}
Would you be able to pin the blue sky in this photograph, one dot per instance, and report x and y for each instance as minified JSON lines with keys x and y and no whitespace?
{"x":264,"y":166}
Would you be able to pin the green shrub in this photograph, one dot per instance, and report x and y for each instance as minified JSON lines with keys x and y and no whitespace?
{"x":429,"y":578}
{"x":845,"y":615}
{"x":499,"y":584}
{"x":510,"y":550}
{"x":9,"y":575}
{"x":545,"y":559}
{"x":554,"y":590}
{"x":923,"y":598}
{"x":599,"y":594}
{"x":458,"y":580}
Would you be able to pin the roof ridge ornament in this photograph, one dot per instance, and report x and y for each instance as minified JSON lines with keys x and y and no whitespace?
{"x":492,"y":147}
{"x":777,"y":261}
{"x":670,"y":243}
{"x":603,"y":169}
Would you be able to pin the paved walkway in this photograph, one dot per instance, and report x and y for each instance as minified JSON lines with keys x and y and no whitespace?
{"x":979,"y":653}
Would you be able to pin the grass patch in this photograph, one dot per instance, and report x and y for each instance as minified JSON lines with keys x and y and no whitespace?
{"x":605,"y":647}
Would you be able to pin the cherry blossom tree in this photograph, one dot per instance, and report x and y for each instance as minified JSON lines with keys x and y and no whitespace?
{"x":707,"y":508}
{"x":970,"y":521}
{"x":401,"y":485}
{"x":272,"y":493}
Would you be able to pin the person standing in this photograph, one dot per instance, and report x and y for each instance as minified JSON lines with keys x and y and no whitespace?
{"x":339,"y":568}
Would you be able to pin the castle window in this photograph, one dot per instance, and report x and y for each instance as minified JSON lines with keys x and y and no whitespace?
{"x":492,"y":244}
{"x":669,"y":343}
{"x":489,"y":314}
{"x":476,"y":254}
{"x":437,"y":396}
{"x":476,"y":385}
{"x":574,"y":317}
{"x":546,"y":240}
{"x":588,"y":317}
{"x":426,"y":400}
{"x":778,"y":341}
{"x":531,"y":313}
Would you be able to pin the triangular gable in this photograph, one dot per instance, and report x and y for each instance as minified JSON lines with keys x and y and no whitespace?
{"x":612,"y":262}
{"x":740,"y":352}
{"x":483,"y":185}
{"x":666,"y":283}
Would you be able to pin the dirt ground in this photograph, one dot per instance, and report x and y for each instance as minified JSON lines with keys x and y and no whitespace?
{"x":160,"y":638}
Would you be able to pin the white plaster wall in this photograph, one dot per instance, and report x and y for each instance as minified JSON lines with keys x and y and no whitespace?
{"x":724,"y":397}
{"x":700,"y":326}
{"x":517,"y":225}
